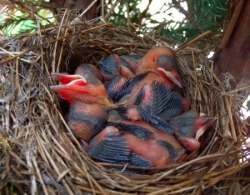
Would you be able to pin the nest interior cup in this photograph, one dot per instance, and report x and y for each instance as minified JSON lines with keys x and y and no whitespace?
{"x":39,"y":152}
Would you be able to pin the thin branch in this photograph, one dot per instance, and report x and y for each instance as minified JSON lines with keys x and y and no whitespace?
{"x":143,"y":14}
{"x":188,"y":16}
{"x":112,"y":9}
{"x":76,"y":20}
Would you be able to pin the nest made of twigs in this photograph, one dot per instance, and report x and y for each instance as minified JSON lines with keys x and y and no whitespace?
{"x":39,"y":153}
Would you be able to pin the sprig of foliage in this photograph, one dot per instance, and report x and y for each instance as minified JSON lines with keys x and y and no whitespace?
{"x":208,"y":14}
{"x":15,"y":21}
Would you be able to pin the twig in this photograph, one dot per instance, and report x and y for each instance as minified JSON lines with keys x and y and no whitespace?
{"x":188,"y":16}
{"x":77,"y":20}
{"x":192,"y":21}
{"x":143,"y":14}
{"x":51,"y":42}
{"x":231,"y":25}
{"x":193,"y":41}
{"x":128,"y":17}
{"x":111,"y":10}
{"x":103,"y":5}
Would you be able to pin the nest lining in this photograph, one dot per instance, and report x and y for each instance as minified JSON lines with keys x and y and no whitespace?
{"x":39,"y":152}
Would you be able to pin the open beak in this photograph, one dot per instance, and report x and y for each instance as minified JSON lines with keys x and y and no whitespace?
{"x":74,"y":85}
{"x":66,"y":78}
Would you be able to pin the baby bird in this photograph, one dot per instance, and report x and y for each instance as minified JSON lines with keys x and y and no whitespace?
{"x":160,"y":60}
{"x":85,"y":88}
{"x":139,"y":145}
{"x":86,"y":120}
{"x":84,"y":68}
{"x":152,"y":95}
{"x":188,"y":127}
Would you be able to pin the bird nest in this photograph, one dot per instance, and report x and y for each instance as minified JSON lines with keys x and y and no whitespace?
{"x":39,"y":154}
